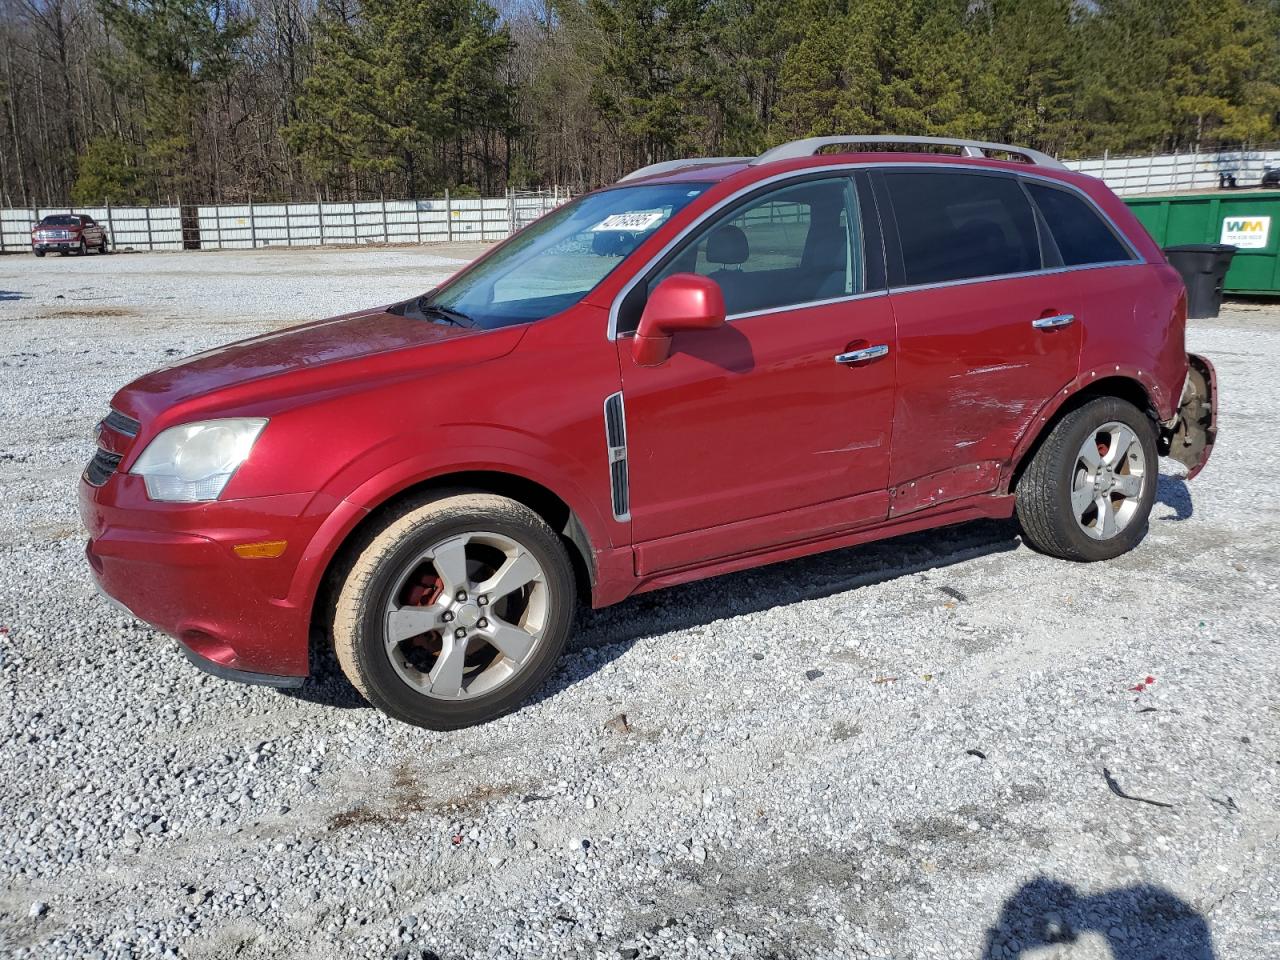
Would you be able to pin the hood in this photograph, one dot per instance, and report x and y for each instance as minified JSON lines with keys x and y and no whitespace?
{"x":314,"y":356}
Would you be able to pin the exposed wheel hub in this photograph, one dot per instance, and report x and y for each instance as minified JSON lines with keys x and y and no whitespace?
{"x":467,"y":614}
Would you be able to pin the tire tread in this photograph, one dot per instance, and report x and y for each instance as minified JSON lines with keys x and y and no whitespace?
{"x":1046,"y":526}
{"x":370,"y":550}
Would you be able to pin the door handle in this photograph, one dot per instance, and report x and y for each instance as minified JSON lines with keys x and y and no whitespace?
{"x":866,"y":353}
{"x":1049,"y":323}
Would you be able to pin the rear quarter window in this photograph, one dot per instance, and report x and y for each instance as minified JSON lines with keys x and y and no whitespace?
{"x":1082,"y":236}
{"x":960,"y":226}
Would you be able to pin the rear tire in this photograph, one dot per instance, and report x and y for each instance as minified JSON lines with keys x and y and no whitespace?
{"x":454,"y":610}
{"x":102,"y":247}
{"x":1087,"y":493}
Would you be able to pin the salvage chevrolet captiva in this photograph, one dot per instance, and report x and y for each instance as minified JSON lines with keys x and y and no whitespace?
{"x":713,"y":364}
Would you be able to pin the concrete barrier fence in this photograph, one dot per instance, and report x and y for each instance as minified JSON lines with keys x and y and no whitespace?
{"x":1179,"y":172}
{"x":252,"y":225}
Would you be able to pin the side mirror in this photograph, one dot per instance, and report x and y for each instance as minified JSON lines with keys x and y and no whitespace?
{"x":683,"y":301}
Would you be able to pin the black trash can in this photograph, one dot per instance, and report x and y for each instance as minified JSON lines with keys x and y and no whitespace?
{"x":1204,"y":268}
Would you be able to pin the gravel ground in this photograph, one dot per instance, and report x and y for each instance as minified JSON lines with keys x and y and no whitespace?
{"x":928,"y":747}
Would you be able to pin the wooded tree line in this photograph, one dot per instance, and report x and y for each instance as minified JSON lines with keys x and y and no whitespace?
{"x":221,"y":100}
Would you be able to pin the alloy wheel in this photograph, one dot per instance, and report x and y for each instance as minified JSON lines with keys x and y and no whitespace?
{"x":466,"y":615}
{"x":1108,"y":480}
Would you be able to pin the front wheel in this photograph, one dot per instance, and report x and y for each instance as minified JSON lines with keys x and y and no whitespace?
{"x":39,"y":253}
{"x":1089,"y":489}
{"x":454,"y":610}
{"x":83,"y":249}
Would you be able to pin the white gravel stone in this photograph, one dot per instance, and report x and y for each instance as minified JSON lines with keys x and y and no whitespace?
{"x":740,"y":810}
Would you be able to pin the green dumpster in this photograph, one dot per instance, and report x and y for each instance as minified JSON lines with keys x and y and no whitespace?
{"x":1249,"y":220}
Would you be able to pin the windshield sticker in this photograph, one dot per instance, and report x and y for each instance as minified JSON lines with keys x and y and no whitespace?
{"x":635,"y":222}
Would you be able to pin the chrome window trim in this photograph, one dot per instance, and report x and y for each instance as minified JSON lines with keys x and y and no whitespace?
{"x":865,"y":295}
{"x":711,"y":211}
{"x":1047,"y":271}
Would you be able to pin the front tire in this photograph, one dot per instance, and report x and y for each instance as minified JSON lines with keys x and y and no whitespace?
{"x":454,"y":610}
{"x":1088,"y":491}
{"x":83,"y":250}
{"x":39,"y":253}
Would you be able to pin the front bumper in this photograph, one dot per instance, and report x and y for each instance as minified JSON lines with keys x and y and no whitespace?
{"x":212,"y":667}
{"x":172,"y":565}
{"x":240,"y":676}
{"x":44,"y":246}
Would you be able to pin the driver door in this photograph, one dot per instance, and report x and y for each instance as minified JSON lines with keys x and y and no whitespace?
{"x":774,"y":428}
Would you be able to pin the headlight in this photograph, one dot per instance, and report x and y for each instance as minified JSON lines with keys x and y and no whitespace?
{"x":194,"y":461}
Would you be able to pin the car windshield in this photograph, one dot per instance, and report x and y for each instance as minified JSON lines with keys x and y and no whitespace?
{"x":60,"y":221}
{"x":552,"y":264}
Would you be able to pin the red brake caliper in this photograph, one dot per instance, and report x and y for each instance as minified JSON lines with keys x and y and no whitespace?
{"x":424,"y":593}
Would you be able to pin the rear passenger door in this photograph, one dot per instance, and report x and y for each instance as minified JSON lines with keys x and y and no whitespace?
{"x":985,"y":334}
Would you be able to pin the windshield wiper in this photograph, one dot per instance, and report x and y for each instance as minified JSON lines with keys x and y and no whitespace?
{"x":455,"y":317}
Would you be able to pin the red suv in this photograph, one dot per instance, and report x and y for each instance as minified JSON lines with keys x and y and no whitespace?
{"x":67,"y":232}
{"x":711,"y":365}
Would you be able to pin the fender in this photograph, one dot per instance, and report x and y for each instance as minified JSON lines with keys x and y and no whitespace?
{"x":406,"y":461}
{"x":441,"y":459}
{"x":1159,"y":399}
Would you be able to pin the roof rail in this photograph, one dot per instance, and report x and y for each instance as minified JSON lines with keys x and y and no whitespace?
{"x":969,"y":148}
{"x":669,"y":166}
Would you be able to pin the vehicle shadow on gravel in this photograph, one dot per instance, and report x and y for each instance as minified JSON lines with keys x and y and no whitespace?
{"x":1136,"y":923}
{"x":1172,"y":492}
{"x":13,"y":295}
{"x":604,"y":635}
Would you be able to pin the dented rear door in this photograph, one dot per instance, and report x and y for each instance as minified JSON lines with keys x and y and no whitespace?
{"x":974,"y":370}
{"x":985,"y":335}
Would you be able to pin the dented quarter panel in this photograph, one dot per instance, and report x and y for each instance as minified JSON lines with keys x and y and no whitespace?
{"x":1128,"y":331}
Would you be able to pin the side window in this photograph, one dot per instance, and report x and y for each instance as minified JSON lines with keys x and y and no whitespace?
{"x":791,"y":246}
{"x":1081,"y":235}
{"x":957,"y":226}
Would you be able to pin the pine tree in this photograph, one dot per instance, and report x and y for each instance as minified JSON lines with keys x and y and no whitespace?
{"x":175,"y":50}
{"x":654,"y":85}
{"x":109,"y":171}
{"x":399,"y":92}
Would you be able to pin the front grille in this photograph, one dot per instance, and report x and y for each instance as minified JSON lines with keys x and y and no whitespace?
{"x":118,"y":422}
{"x":101,"y":467}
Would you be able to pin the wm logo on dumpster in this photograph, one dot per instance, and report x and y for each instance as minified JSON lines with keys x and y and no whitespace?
{"x":1246,"y":233}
